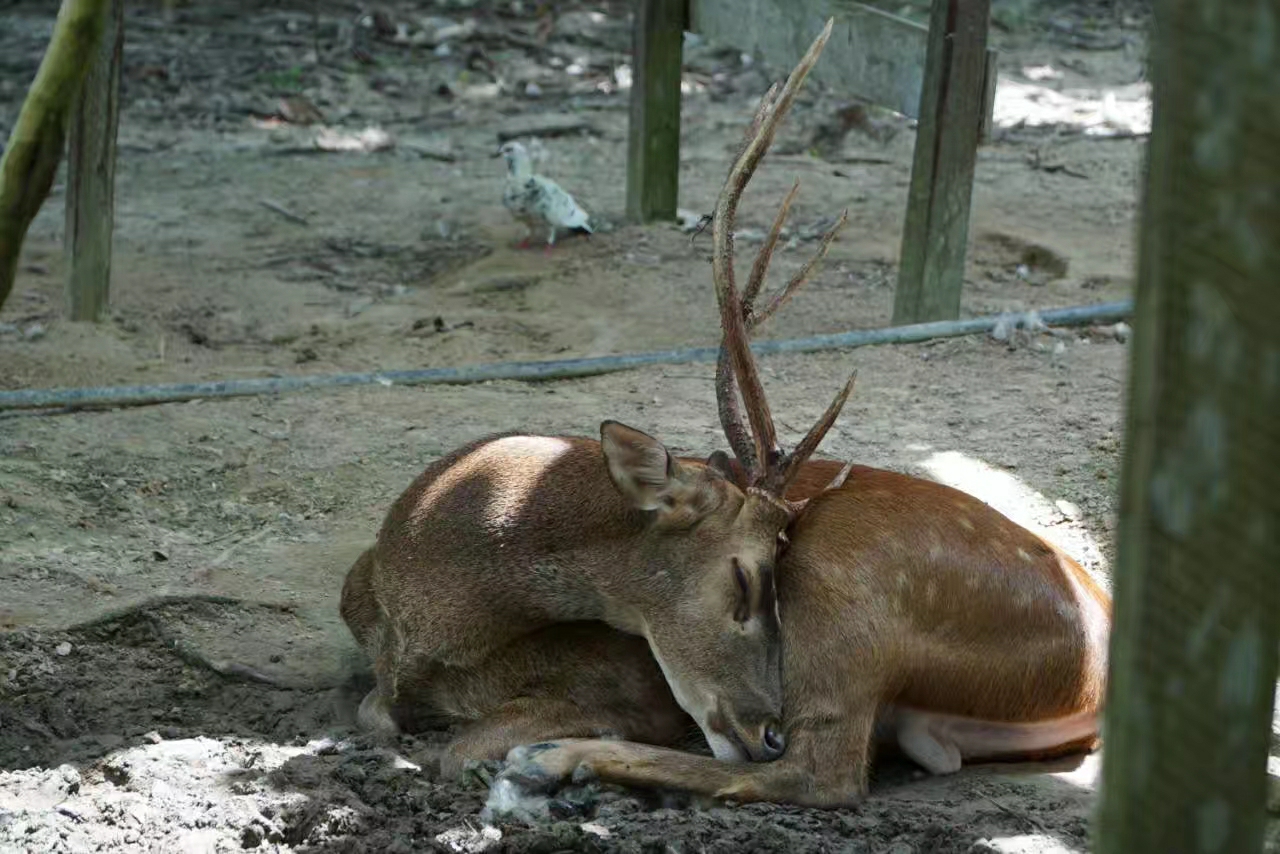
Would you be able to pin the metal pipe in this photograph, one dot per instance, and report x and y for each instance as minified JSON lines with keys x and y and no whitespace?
{"x":556,"y":369}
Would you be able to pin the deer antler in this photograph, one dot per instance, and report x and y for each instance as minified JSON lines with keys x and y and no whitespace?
{"x":766,"y":466}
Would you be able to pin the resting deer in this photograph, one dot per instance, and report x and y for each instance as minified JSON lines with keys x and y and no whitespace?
{"x":540,"y":587}
{"x":906,"y":606}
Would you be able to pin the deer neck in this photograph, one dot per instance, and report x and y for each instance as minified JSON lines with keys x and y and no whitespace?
{"x":592,"y":577}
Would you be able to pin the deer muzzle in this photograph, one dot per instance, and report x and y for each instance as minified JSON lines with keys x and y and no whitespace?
{"x":760,"y":738}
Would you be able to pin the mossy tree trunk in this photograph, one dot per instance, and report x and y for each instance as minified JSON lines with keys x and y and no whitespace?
{"x":36,"y":145}
{"x":1197,"y":587}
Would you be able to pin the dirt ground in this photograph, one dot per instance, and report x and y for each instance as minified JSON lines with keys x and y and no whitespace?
{"x":136,"y":544}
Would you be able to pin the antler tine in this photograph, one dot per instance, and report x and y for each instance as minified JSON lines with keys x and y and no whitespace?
{"x":762,"y":112}
{"x":731,"y":314}
{"x":802,"y":275}
{"x":735,"y":430}
{"x":791,"y":466}
{"x":761,"y":266}
{"x":726,"y":389}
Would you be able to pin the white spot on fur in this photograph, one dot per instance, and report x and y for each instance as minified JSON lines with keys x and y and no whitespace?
{"x":1012,"y":498}
{"x":1024,"y":554}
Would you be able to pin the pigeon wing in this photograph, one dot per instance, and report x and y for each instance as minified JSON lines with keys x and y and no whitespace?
{"x":556,"y":206}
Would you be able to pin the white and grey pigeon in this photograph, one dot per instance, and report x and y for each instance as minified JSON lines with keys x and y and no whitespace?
{"x":538,"y":201}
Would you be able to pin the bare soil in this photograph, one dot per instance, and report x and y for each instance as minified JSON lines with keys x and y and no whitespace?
{"x":143,"y":549}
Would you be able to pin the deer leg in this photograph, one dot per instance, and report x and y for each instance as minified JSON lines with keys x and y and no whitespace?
{"x":548,"y":766}
{"x":374,"y":715}
{"x":562,"y":681}
{"x":523,"y":721}
{"x":824,"y":766}
{"x":370,"y":626}
{"x":926,"y":745}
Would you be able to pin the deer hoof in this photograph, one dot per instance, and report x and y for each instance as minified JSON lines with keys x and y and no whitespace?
{"x":373,"y":716}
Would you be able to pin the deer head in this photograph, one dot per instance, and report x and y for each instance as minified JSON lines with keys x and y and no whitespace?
{"x":727,"y":672}
{"x":706,"y":599}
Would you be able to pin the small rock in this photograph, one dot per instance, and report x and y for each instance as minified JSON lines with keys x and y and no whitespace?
{"x":1122,"y":331}
{"x":199,"y":841}
{"x":251,"y":836}
{"x":152,"y":737}
{"x":532,"y":90}
{"x":64,"y":781}
{"x":8,"y":329}
{"x":1066,"y":508}
{"x":34,"y":332}
{"x":63,"y":648}
{"x":468,"y":840}
{"x":1059,"y":347}
{"x":1002,"y":329}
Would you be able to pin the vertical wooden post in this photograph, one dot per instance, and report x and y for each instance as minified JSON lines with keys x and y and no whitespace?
{"x":1197,"y":587}
{"x":653,"y":146}
{"x":934,"y":237}
{"x":91,"y":170}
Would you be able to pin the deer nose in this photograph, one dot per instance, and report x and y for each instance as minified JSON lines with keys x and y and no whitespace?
{"x":774,"y":742}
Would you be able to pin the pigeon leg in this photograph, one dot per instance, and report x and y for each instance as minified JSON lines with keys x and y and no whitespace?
{"x":551,"y":241}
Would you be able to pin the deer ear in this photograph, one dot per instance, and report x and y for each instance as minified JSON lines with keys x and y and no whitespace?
{"x":639,"y":466}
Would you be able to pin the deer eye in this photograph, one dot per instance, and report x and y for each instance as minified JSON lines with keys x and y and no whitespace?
{"x":742,"y":610}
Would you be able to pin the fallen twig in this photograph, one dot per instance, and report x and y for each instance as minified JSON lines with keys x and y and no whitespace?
{"x":1031,"y":820}
{"x":283,"y":211}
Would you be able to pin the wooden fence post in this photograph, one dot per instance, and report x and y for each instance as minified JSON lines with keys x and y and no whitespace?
{"x":952,"y":102}
{"x":1197,"y":586}
{"x":653,"y":145}
{"x":91,"y":171}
